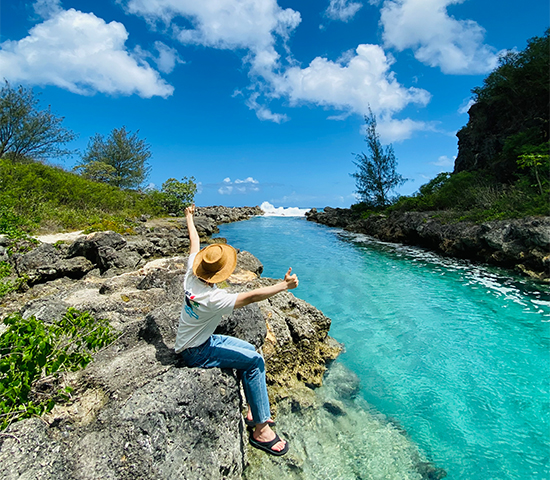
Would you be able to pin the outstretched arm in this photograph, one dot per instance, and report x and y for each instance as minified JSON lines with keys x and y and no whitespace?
{"x":195,"y":243}
{"x":259,"y":294}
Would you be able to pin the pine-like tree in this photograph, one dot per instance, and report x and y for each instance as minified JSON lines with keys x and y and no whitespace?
{"x":376,"y":176}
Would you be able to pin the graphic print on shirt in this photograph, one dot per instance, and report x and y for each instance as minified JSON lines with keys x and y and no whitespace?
{"x":190,"y":305}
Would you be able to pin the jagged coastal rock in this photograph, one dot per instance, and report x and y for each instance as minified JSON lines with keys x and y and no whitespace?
{"x":136,"y":412}
{"x":520,"y":244}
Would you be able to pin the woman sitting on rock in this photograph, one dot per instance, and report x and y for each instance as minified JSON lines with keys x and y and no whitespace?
{"x":202,"y":311}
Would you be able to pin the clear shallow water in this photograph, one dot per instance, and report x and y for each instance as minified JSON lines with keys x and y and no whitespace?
{"x":456,"y":353}
{"x":339,"y":438}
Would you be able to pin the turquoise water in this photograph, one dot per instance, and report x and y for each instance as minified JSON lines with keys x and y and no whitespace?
{"x":456,"y":353}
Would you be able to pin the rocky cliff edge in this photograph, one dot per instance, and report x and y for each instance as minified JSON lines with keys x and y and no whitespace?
{"x":135,"y":411}
{"x":519,"y":244}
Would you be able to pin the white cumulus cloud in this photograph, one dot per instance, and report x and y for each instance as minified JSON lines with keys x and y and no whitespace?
{"x":247,"y":180}
{"x":81,"y":53}
{"x":252,"y":25}
{"x":47,"y":8}
{"x":258,"y":30}
{"x":354,"y":83}
{"x":343,"y":10}
{"x":444,"y":161}
{"x":167,"y":57}
{"x":393,"y":130}
{"x":263,"y":112}
{"x":247,"y":185}
{"x":437,"y":39}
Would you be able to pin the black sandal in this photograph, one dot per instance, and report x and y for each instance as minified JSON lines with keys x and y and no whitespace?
{"x":266,"y":446}
{"x":252,"y":423}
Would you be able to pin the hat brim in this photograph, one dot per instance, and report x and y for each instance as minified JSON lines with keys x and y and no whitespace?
{"x":219,"y":276}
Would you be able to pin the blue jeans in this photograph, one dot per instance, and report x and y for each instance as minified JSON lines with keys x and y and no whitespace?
{"x":228,"y":352}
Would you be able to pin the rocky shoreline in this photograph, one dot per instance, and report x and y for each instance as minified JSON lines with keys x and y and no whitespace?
{"x":519,"y":244}
{"x":135,"y":412}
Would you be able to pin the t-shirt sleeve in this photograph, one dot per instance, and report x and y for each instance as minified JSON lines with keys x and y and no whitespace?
{"x":222,"y":301}
{"x":190,"y":261}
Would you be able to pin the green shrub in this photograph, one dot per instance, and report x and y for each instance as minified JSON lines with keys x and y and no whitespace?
{"x":9,"y":286}
{"x":478,"y":197}
{"x":34,"y":354}
{"x":5,"y":270}
{"x":11,"y":223}
{"x":177,"y":196}
{"x":113,"y":224}
{"x":5,"y":286}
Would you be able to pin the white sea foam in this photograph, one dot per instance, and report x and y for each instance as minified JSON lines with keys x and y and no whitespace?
{"x":271,"y":211}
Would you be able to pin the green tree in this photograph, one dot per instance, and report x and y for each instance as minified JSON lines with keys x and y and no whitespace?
{"x":120,"y":160}
{"x":534,"y":161}
{"x":511,"y":112}
{"x":178,"y":195}
{"x":26,"y":132}
{"x":98,"y":171}
{"x":376,"y":176}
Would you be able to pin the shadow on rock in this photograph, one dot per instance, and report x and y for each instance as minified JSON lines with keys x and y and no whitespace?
{"x":159,"y":328}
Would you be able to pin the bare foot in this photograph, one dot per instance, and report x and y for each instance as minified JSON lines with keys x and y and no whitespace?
{"x":263,"y":433}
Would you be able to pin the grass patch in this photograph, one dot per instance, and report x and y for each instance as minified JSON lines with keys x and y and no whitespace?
{"x":40,"y":198}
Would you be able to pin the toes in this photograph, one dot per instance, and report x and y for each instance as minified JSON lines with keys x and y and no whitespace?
{"x":279,"y":446}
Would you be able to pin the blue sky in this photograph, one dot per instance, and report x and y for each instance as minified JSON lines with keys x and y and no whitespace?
{"x":263,"y":100}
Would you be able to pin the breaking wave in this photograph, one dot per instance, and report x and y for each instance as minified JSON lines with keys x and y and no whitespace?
{"x":271,"y":211}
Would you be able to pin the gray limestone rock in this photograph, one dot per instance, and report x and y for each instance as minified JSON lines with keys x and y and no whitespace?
{"x":46,"y":309}
{"x":246,"y":323}
{"x":136,"y":412}
{"x":206,"y":226}
{"x":104,"y":249}
{"x":184,"y":423}
{"x":45,"y":263}
{"x":523,"y":244}
{"x":247,"y":261}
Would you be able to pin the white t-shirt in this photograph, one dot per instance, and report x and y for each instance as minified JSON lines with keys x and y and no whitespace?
{"x":202,"y":310}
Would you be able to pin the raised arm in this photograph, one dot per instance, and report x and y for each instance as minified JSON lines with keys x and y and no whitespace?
{"x":195,"y":243}
{"x":259,"y":294}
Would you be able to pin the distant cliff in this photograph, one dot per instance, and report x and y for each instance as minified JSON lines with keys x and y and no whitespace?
{"x":510,"y":115}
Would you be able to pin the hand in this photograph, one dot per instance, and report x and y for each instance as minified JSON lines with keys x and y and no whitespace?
{"x":190,"y":210}
{"x":291,"y":280}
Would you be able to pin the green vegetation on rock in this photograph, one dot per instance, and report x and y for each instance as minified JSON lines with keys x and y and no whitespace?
{"x":510,"y":116}
{"x":8,"y":284}
{"x":34,"y":354}
{"x":476,"y":196}
{"x":38,"y":197}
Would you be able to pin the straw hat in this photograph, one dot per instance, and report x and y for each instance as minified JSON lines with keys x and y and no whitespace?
{"x":215,"y":263}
